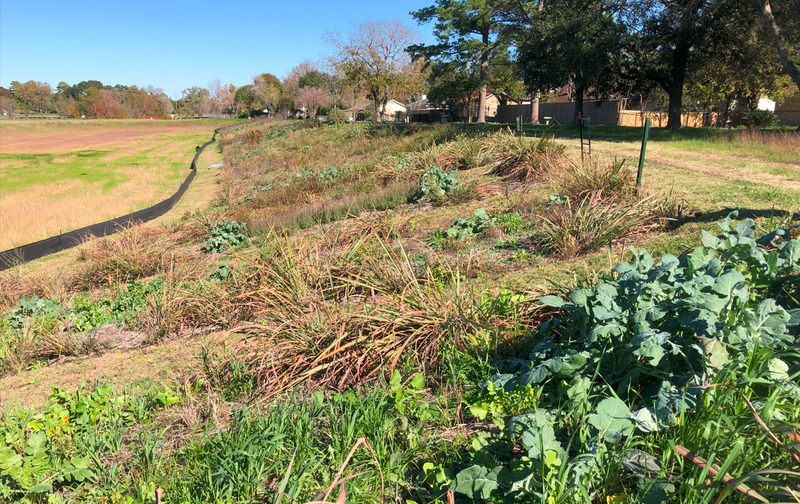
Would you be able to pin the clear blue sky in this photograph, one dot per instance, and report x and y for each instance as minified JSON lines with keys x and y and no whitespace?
{"x":175,"y":44}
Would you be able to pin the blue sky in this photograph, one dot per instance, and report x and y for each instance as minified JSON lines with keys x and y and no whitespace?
{"x":175,"y":44}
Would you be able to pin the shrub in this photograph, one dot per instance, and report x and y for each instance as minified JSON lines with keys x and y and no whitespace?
{"x":761,"y":119}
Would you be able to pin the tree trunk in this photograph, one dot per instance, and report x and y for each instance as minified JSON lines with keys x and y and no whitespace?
{"x":578,"y":112}
{"x":482,"y":105}
{"x":775,"y":36}
{"x":484,"y":78}
{"x":535,"y":97}
{"x":376,"y":116}
{"x":535,"y":108}
{"x":680,"y":59}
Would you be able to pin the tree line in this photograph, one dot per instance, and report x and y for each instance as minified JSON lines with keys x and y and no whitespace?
{"x":691,"y":54}
{"x":680,"y":54}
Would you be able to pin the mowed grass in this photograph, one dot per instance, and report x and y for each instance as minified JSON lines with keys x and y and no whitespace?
{"x":104,"y":170}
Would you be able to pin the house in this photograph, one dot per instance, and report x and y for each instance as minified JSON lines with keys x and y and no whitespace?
{"x":423,"y":110}
{"x":392,"y":109}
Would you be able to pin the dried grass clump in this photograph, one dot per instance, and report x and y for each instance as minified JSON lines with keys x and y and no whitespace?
{"x":577,"y":181}
{"x":590,"y":223}
{"x":135,"y":252}
{"x":342,"y":310}
{"x":601,"y":204}
{"x":514,"y":158}
{"x":13,"y":286}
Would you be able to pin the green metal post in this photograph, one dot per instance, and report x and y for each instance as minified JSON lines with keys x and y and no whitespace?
{"x":641,"y":154}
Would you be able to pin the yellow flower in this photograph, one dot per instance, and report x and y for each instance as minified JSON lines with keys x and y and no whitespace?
{"x":620,"y":497}
{"x":65,"y":420}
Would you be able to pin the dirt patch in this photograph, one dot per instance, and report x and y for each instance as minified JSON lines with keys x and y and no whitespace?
{"x":70,"y":136}
{"x":164,"y":363}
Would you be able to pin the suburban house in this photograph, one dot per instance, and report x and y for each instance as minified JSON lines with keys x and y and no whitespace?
{"x":393,"y":109}
{"x":423,"y":110}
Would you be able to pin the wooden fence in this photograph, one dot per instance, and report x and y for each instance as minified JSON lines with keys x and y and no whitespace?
{"x":659,"y":119}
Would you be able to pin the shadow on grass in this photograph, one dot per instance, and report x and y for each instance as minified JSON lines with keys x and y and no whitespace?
{"x":744,"y":213}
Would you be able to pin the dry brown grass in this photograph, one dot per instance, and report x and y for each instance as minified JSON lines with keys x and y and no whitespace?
{"x":136,"y":252}
{"x":141,"y":157}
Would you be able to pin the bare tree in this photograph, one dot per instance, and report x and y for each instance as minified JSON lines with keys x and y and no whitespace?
{"x":311,"y":99}
{"x":8,"y":106}
{"x":375,"y":60}
{"x":220,"y":97}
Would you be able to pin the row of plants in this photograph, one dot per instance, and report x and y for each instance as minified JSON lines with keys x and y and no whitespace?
{"x":32,"y":330}
{"x":671,"y":380}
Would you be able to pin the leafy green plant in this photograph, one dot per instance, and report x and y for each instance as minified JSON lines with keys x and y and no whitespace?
{"x":32,"y":307}
{"x":756,"y":118}
{"x":510,"y":223}
{"x":58,"y":448}
{"x":629,"y":365}
{"x":224,"y":235}
{"x":463,"y":229}
{"x":435,"y":184}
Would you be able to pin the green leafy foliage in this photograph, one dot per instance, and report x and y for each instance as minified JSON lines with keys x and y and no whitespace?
{"x":435,"y":184}
{"x":463,"y":229}
{"x":756,"y":118}
{"x":33,"y":307}
{"x":224,"y":235}
{"x":59,"y":447}
{"x":628,"y":361}
{"x":511,"y":222}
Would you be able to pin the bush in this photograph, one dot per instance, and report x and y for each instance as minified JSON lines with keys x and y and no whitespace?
{"x":761,"y":119}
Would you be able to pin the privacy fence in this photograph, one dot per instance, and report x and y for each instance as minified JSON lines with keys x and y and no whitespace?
{"x":24,"y":253}
{"x":610,"y":112}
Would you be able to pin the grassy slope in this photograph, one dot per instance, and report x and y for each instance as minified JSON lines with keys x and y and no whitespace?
{"x":711,"y":175}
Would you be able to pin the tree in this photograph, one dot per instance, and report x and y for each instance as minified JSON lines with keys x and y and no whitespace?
{"x":666,"y":43}
{"x":738,"y":65}
{"x":375,"y":60}
{"x":469,"y":30}
{"x":194,"y":101}
{"x":7,"y":104}
{"x":221,"y":97}
{"x":34,"y":96}
{"x":311,"y":98}
{"x":103,"y":104}
{"x":244,"y":100}
{"x":454,"y":86}
{"x":267,"y":91}
{"x":572,"y":42}
{"x":774,"y":33}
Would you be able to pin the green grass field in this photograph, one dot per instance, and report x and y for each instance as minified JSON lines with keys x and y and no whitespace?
{"x":378,"y":313}
{"x":88,"y":174}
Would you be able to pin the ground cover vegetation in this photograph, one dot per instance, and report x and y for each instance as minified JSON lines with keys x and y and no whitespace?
{"x":426,"y":314}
